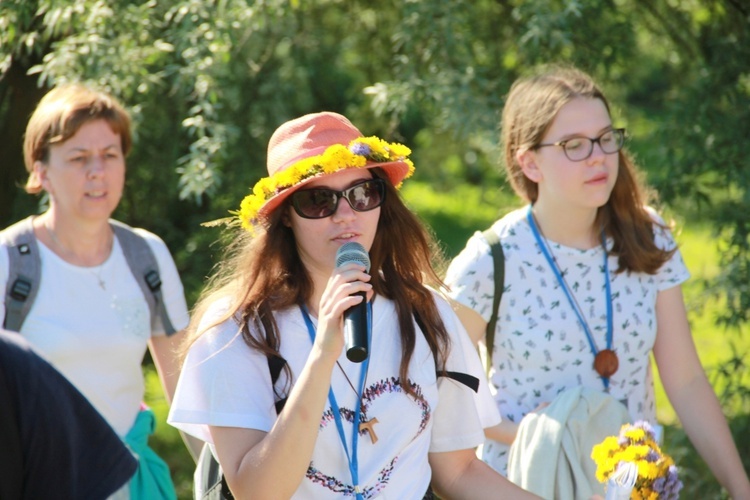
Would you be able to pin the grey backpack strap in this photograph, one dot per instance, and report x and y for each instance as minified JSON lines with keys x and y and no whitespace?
{"x":498,"y":260}
{"x":143,"y":265}
{"x":24,"y":272}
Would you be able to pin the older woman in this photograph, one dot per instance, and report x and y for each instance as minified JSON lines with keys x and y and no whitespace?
{"x":90,"y":315}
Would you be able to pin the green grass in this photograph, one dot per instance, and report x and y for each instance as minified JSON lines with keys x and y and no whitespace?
{"x":713,"y":342}
{"x":454,"y":216}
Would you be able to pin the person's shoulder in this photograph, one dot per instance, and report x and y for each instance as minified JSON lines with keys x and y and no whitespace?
{"x":444,"y":306}
{"x":502,"y":227}
{"x":219,"y":322}
{"x":151,"y":238}
{"x":17,"y":357}
{"x":10,"y":234}
{"x":156,"y":244}
{"x":506,"y":226}
{"x":14,"y":343}
{"x":662,"y":228}
{"x":655,"y":215}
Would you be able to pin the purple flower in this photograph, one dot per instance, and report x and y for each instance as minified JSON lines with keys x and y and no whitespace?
{"x":652,"y":456}
{"x":668,"y":487}
{"x":360,"y":149}
{"x":658,"y":485}
{"x":646,"y":428}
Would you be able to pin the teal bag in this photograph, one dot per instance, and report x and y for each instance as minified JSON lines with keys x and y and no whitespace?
{"x":152,"y":479}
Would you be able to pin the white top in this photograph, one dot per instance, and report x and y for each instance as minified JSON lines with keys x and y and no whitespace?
{"x":540,"y":349}
{"x":226,"y":383}
{"x":97,"y":337}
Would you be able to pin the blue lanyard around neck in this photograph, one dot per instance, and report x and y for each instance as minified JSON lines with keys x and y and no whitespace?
{"x":351,"y":458}
{"x":569,"y":293}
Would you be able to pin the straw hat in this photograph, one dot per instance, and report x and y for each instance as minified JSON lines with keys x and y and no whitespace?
{"x":312,"y":146}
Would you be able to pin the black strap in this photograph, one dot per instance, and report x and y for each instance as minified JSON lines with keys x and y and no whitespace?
{"x":464,"y":378}
{"x":498,"y":260}
{"x":212,"y":469}
{"x":468,"y":380}
{"x":275,"y":365}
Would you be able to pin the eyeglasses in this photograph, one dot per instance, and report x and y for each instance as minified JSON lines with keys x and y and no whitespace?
{"x":580,"y":148}
{"x":321,"y":203}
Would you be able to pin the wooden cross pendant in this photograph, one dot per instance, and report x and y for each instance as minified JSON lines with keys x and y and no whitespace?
{"x":369,"y":426}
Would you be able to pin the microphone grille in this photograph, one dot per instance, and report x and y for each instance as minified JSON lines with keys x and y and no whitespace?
{"x":353,"y":252}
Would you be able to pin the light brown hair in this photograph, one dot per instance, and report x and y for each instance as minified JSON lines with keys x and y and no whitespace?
{"x":60,"y":114}
{"x":530,"y":109}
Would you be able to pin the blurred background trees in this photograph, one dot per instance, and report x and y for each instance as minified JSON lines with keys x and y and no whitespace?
{"x":207,"y":82}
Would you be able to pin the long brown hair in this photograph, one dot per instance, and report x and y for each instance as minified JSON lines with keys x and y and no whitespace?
{"x":263,"y":273}
{"x":531,"y":107}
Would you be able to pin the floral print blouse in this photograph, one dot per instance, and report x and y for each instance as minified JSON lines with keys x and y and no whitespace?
{"x":540,"y":348}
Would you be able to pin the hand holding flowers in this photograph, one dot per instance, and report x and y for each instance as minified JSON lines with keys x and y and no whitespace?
{"x":636,"y":443}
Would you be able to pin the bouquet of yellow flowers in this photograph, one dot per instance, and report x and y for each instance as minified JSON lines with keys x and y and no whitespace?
{"x":636,"y":443}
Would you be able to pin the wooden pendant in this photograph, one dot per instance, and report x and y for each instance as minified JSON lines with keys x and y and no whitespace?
{"x":369,"y":426}
{"x":606,"y":363}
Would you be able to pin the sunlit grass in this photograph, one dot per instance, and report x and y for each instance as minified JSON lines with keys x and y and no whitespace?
{"x":712,"y":341}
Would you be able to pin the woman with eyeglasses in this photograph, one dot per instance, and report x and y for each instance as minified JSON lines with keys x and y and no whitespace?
{"x":592,"y":277}
{"x":387,"y":425}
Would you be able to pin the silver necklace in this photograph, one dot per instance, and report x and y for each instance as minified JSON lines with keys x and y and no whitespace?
{"x":95,"y":271}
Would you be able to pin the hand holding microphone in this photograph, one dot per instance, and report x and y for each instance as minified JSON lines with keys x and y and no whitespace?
{"x":355,"y":318}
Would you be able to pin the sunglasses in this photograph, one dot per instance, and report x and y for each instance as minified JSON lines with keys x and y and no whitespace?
{"x":319,"y":203}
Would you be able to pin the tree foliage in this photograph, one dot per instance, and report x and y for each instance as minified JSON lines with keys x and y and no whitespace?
{"x":207,"y":81}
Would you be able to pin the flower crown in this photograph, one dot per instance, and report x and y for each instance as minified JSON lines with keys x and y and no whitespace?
{"x":337,"y":157}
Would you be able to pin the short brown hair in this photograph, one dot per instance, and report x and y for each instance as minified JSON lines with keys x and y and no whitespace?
{"x":59,"y":115}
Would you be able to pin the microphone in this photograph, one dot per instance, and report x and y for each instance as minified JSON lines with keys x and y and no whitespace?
{"x":355,"y":318}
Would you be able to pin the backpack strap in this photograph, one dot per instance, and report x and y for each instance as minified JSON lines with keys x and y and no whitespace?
{"x":145,"y":269}
{"x":24,"y":272}
{"x":212,"y":475}
{"x":275,"y":365}
{"x":464,"y":378}
{"x":498,"y":260}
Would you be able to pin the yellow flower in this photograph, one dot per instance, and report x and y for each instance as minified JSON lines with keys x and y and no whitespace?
{"x":334,"y":158}
{"x":400,"y":150}
{"x":647,"y":470}
{"x":635,"y":444}
{"x":635,"y":433}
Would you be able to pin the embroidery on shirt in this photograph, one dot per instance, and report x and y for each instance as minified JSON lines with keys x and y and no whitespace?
{"x":371,"y":393}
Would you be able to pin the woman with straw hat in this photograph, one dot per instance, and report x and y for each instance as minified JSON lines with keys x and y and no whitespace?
{"x":387,"y":426}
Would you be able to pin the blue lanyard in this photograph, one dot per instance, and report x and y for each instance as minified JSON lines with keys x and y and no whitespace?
{"x":352,"y":459}
{"x":569,"y":294}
